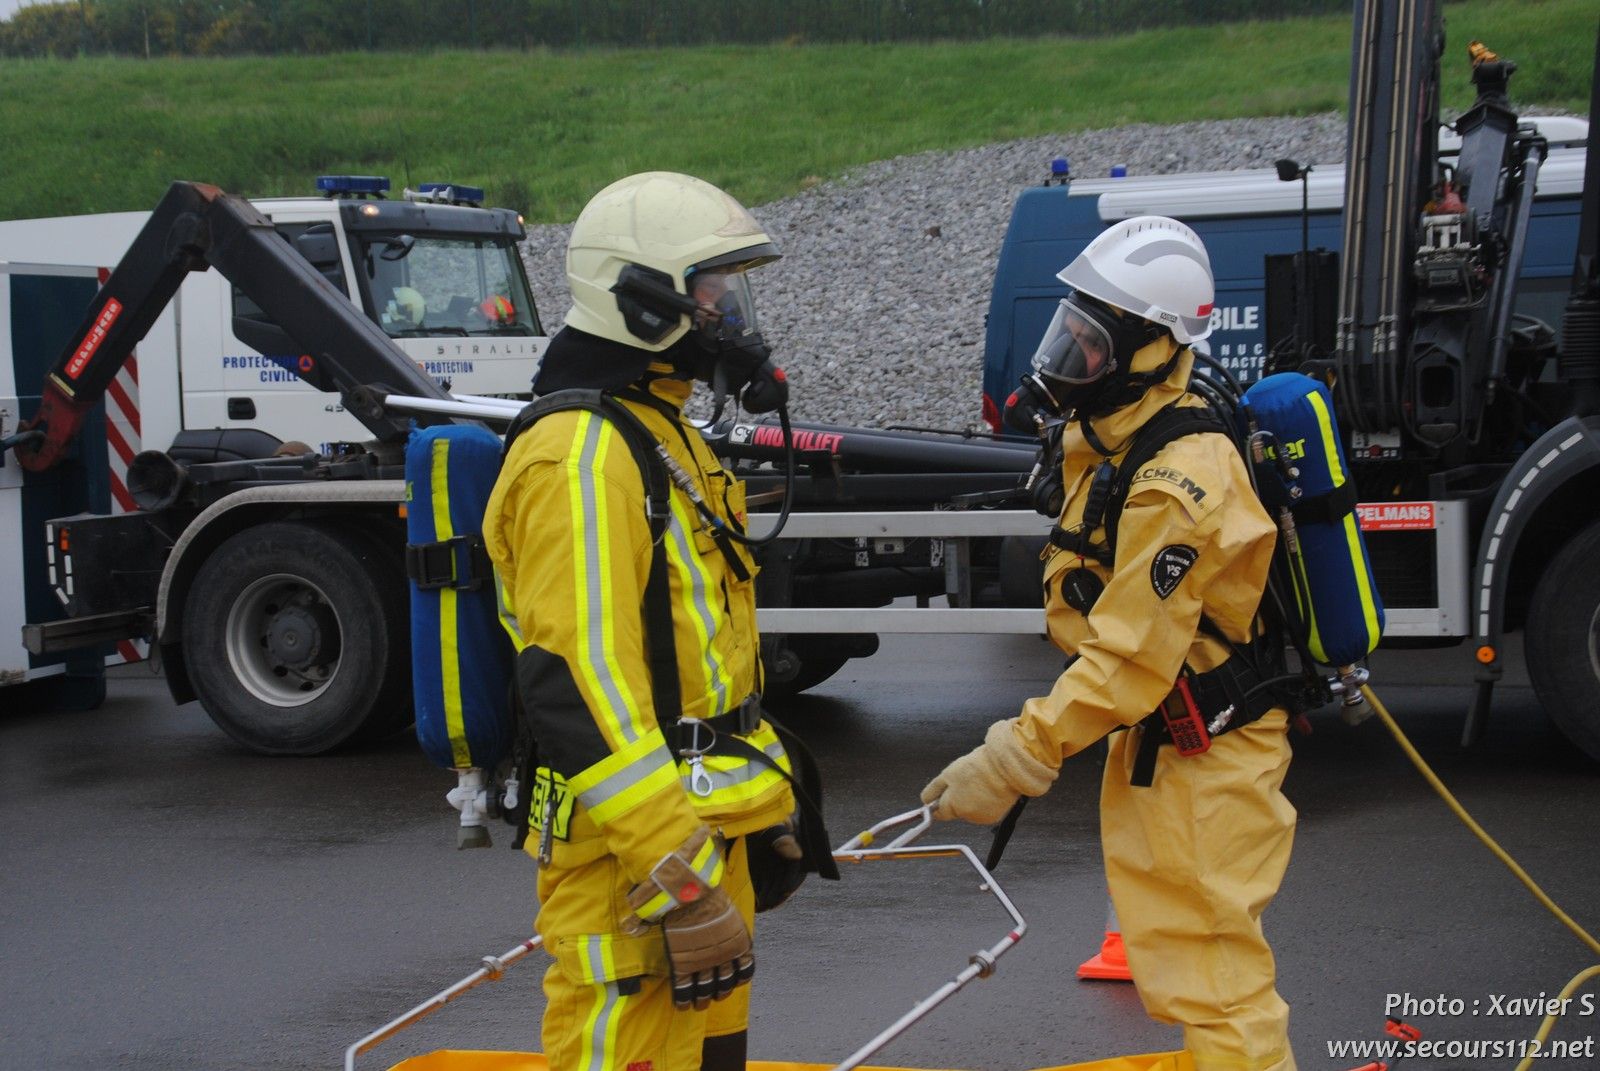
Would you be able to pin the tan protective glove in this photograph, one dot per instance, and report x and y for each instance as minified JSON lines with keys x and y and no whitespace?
{"x":709,"y":951}
{"x":982,"y":785}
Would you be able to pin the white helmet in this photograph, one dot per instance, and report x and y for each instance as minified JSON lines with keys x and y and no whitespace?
{"x":637,"y":244}
{"x":1153,"y":267}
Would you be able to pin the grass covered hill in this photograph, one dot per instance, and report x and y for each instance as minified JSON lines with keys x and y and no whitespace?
{"x":544,"y":130}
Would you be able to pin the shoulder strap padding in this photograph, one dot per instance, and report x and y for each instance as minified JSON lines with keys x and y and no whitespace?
{"x":641,"y":443}
{"x":1163,"y":429}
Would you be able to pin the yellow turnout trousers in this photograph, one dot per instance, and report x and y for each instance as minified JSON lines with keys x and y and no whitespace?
{"x":1192,"y":861}
{"x":624,"y":1023}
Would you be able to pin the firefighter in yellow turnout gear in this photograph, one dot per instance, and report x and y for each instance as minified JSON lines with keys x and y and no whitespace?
{"x":645,"y":895}
{"x":1195,"y":845}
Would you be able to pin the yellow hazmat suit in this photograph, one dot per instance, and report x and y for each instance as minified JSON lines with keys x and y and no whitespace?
{"x":1193,"y":859}
{"x":567,"y":530}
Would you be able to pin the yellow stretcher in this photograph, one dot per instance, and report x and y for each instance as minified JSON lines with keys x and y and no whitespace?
{"x":462,"y":1060}
{"x":858,"y":849}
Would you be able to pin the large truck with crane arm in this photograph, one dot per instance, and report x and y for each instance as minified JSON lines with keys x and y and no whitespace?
{"x":1476,"y":448}
{"x":214,"y":380}
{"x":1445,"y":284}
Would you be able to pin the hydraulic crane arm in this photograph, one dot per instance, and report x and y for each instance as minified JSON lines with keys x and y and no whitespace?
{"x":196,"y":227}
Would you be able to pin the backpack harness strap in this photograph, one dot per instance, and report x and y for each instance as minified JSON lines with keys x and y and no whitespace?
{"x":666,"y":689}
{"x":1218,"y":700}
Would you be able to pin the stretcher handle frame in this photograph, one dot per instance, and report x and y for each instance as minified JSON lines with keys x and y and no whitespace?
{"x":493,"y":967}
{"x":858,"y":849}
{"x":980,"y":964}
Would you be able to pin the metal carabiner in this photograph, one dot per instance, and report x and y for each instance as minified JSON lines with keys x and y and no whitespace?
{"x":700,"y":782}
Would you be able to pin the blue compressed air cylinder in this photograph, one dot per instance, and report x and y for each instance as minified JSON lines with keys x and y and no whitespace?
{"x":460,"y":654}
{"x":1334,"y":590}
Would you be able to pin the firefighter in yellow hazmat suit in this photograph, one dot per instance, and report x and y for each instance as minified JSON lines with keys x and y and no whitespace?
{"x":1163,"y":594}
{"x":642,"y":824}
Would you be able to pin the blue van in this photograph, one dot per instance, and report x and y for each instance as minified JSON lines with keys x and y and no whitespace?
{"x":1242,"y":216}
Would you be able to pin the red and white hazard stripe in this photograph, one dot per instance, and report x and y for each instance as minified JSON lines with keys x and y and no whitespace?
{"x":124,"y":439}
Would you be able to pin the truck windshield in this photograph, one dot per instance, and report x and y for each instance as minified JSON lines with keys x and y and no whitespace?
{"x":424,"y":286}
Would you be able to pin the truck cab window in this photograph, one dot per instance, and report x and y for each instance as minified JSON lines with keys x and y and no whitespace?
{"x":319,"y":244}
{"x":448,"y":286}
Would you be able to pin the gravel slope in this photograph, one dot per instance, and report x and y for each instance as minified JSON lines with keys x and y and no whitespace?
{"x":879,"y":321}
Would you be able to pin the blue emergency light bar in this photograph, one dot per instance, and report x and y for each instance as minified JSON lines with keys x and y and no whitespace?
{"x":352,"y":185}
{"x":1059,"y":168}
{"x":452,"y":192}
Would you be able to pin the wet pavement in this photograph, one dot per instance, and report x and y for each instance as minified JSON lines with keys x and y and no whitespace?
{"x":169,"y":902}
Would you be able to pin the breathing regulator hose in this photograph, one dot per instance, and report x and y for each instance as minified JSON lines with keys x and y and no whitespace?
{"x":1501,"y":854}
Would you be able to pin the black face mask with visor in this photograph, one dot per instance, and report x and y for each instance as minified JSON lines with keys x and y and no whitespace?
{"x":1083,"y":364}
{"x":724,"y":347}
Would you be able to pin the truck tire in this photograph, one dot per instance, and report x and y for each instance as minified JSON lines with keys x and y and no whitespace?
{"x":1563,"y":640}
{"x":297,"y":640}
{"x":807,"y":660}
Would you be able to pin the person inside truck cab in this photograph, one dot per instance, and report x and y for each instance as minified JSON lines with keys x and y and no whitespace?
{"x":1155,"y":602}
{"x":404,"y":310}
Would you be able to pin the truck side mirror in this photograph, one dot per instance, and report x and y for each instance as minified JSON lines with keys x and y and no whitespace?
{"x":398,"y":247}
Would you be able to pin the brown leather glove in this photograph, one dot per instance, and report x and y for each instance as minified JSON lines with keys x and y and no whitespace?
{"x":709,"y":949}
{"x":982,"y":785}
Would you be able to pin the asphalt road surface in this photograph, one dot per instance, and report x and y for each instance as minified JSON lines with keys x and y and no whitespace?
{"x":169,"y":902}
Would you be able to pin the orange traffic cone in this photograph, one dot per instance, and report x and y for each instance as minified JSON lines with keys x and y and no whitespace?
{"x":1110,"y":964}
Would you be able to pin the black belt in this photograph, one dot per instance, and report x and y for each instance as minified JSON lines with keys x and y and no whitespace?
{"x":1228,"y":698}
{"x":742,"y":720}
{"x":726,"y":729}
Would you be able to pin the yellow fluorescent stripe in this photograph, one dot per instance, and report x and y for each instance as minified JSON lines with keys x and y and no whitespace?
{"x":619,"y":1008}
{"x":1358,"y":565}
{"x":508,"y":616}
{"x":1352,"y":531}
{"x":449,"y":664}
{"x":1309,"y":611}
{"x":1330,"y":445}
{"x":703,"y":856}
{"x":695,"y":580}
{"x":614,"y":1025}
{"x":618,"y":761}
{"x":656,"y":906}
{"x":624,"y":724}
{"x":636,"y":795}
{"x":735,"y":793}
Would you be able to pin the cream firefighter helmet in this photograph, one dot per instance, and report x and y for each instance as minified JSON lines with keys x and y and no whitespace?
{"x":1153,"y":267}
{"x":636,"y":248}
{"x":409,"y":306}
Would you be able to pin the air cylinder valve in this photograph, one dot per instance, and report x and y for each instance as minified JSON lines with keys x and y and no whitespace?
{"x":471,"y":798}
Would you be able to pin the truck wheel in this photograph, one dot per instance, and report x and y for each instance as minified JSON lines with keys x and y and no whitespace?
{"x":1563,"y":640}
{"x":297,"y":640}
{"x":806,"y":660}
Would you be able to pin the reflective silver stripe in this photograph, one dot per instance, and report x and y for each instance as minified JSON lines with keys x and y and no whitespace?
{"x":630,"y":775}
{"x":1090,"y":281}
{"x":599,"y":1058}
{"x":599,"y":558}
{"x":1169,"y":247}
{"x":744,"y":773}
{"x":708,"y":872}
{"x":695,"y":575}
{"x":508,"y":618}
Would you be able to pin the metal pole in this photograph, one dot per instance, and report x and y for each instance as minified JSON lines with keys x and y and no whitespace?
{"x":493,"y":967}
{"x":858,"y":849}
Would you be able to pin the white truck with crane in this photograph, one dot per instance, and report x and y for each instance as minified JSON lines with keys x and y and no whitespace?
{"x":215,"y":380}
